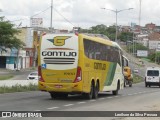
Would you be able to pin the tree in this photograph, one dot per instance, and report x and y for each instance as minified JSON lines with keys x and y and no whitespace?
{"x":101,"y":29}
{"x":136,"y":46}
{"x":126,"y":36}
{"x":155,"y":57}
{"x":7,"y":36}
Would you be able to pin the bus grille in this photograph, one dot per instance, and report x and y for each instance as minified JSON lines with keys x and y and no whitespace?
{"x":59,"y":60}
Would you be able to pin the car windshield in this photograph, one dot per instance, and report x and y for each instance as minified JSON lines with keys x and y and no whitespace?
{"x":152,"y":73}
{"x":35,"y":73}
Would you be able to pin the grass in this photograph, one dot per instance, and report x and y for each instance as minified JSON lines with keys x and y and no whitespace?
{"x":137,"y":79}
{"x":6,"y":77}
{"x":146,"y":59}
{"x":18,"y":88}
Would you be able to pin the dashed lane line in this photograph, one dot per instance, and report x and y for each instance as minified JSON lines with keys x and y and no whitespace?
{"x":116,"y":96}
{"x":68,"y":105}
{"x":81,"y":102}
{"x":109,"y":97}
{"x":129,"y":94}
{"x":37,"y":110}
{"x":51,"y":108}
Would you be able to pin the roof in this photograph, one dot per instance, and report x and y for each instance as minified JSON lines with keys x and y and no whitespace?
{"x":154,"y":36}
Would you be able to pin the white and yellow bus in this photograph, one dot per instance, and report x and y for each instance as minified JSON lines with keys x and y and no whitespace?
{"x":79,"y":64}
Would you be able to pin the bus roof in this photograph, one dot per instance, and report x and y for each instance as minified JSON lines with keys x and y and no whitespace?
{"x":100,"y":39}
{"x":95,"y":37}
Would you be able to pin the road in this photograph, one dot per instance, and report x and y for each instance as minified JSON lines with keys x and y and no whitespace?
{"x":136,"y":98}
{"x":18,"y":75}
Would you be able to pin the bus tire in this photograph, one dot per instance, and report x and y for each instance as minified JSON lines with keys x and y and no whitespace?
{"x":115,"y":92}
{"x":96,"y":90}
{"x":63,"y":95}
{"x":90,"y":94}
{"x":54,"y":95}
{"x":58,"y":95}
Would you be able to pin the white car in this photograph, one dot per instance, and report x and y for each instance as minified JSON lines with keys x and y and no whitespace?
{"x":33,"y":76}
{"x":152,"y":76}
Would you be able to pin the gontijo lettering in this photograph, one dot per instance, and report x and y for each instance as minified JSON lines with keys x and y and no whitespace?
{"x":59,"y":53}
{"x":99,"y":66}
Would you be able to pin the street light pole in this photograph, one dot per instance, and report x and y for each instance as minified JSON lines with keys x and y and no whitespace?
{"x":51,"y":14}
{"x":116,"y":27}
{"x":116,"y":12}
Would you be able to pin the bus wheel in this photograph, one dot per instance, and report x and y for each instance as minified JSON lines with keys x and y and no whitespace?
{"x":90,"y":94}
{"x":64,"y":95}
{"x":95,"y":91}
{"x":58,"y":95}
{"x":54,"y":95}
{"x":115,"y":92}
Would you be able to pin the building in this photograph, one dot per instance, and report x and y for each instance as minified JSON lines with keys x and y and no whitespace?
{"x":143,"y":39}
{"x":150,"y":26}
{"x":154,"y":40}
{"x":22,"y":58}
{"x":125,"y":29}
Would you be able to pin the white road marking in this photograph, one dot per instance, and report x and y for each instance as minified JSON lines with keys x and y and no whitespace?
{"x":109,"y":97}
{"x":130,"y":94}
{"x":81,"y":102}
{"x":68,"y":105}
{"x":37,"y":110}
{"x":135,"y":93}
{"x":140,"y":92}
{"x":52,"y":108}
{"x":116,"y":96}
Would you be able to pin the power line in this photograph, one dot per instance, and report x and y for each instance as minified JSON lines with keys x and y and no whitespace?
{"x":64,"y":17}
{"x":40,"y":12}
{"x":43,"y":12}
{"x":19,"y":20}
{"x":31,"y":16}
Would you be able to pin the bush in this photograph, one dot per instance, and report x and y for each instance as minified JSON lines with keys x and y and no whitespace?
{"x":18,"y":88}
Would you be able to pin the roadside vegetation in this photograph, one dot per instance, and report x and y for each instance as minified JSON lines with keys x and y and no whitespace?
{"x":6,"y":77}
{"x":137,"y":79}
{"x":18,"y":88}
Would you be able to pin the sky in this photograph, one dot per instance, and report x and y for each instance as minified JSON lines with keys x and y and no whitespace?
{"x":80,"y":13}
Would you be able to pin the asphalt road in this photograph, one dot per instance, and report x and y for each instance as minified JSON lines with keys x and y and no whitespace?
{"x":130,"y":98}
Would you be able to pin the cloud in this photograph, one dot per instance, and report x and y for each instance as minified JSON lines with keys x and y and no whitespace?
{"x":82,"y":13}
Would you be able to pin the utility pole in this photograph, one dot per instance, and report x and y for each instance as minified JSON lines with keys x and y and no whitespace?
{"x":139,"y":12}
{"x":51,"y":15}
{"x":116,"y":12}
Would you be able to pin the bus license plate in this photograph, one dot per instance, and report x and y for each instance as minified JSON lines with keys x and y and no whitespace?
{"x":58,"y":86}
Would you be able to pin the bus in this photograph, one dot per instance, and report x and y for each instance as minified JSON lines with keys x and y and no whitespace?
{"x":79,"y":64}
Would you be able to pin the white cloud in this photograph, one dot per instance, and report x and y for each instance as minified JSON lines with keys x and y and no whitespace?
{"x":82,"y":13}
